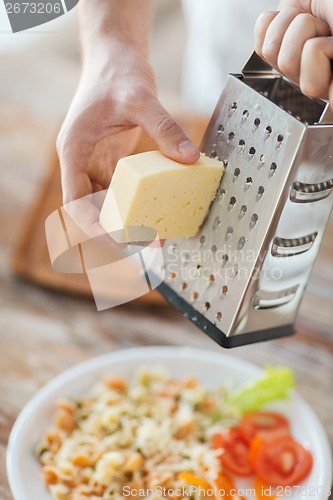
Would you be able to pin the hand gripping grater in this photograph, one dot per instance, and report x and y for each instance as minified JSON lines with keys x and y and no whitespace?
{"x":241,"y":279}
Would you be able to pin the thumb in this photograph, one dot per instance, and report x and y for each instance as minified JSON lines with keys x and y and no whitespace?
{"x":166,"y":133}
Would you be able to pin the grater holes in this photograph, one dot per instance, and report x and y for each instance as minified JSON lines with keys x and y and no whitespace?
{"x":213,"y":154}
{"x":279,"y":141}
{"x":241,"y":146}
{"x":252,"y":151}
{"x":174,"y":249}
{"x":207,"y":306}
{"x":218,"y":316}
{"x":236,"y":173}
{"x":186,"y":257}
{"x":233,"y":107}
{"x":261,"y":191}
{"x":242,"y":242}
{"x":262,"y":161}
{"x":231,"y":136}
{"x":202,"y":240}
{"x":214,"y":249}
{"x":254,"y":220}
{"x":224,"y":291}
{"x":221,"y":192}
{"x":272,"y":169}
{"x":245,"y":115}
{"x":173,"y":276}
{"x":256,"y":123}
{"x":234,"y":271}
{"x":184,"y":286}
{"x":229,"y":233}
{"x":232,"y":202}
{"x":220,"y":129}
{"x":248,"y":182}
{"x":217,"y":223}
{"x":199,"y":268}
{"x":211,"y":278}
{"x":268,"y":132}
{"x":225,"y":259}
{"x":243,"y":211}
{"x":195,"y":296}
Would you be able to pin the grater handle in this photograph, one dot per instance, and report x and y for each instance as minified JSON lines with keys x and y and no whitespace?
{"x":256,"y":66}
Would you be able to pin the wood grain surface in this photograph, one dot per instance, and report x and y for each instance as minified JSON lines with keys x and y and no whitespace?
{"x":43,"y":331}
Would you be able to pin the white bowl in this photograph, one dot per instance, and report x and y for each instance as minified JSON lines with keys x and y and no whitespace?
{"x":210,"y":368}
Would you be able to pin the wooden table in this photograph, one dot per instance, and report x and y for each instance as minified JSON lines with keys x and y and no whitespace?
{"x":44,"y":332}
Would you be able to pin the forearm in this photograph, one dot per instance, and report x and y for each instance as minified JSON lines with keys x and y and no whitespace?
{"x":104,"y":23}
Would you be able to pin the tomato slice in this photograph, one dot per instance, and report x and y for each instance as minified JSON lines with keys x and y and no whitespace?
{"x":234,"y":452}
{"x":263,"y":437}
{"x":261,"y":421}
{"x":282,"y":462}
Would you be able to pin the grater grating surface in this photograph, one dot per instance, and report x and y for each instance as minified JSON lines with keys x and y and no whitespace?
{"x":242,"y":277}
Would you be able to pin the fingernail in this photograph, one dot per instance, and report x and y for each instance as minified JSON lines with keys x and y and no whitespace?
{"x":186,"y":148}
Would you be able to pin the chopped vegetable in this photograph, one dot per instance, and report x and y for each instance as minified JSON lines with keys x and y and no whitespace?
{"x":262,"y":421}
{"x":163,"y":431}
{"x":273,"y":385}
{"x":282,"y":462}
{"x":193,"y":480}
{"x":234,"y":452}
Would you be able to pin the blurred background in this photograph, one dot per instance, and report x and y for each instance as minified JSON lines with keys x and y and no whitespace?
{"x":47,"y":321}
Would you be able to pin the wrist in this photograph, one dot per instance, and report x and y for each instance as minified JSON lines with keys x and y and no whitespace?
{"x":108,"y":23}
{"x":112,"y":59}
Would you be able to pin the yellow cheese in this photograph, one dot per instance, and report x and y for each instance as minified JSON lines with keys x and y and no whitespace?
{"x":148,"y":190}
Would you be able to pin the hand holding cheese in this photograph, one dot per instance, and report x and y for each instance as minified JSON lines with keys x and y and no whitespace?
{"x":150,"y":190}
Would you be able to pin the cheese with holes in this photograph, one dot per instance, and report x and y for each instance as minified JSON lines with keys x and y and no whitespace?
{"x":148,"y":190}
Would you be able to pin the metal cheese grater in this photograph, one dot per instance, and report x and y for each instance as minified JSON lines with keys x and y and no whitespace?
{"x":241,"y":279}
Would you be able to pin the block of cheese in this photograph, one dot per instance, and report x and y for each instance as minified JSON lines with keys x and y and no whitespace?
{"x":150,"y":190}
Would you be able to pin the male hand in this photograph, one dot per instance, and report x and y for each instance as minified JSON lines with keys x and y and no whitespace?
{"x":297,"y":41}
{"x":116,"y":95}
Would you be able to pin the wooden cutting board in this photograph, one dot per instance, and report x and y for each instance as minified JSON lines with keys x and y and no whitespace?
{"x":31,"y":258}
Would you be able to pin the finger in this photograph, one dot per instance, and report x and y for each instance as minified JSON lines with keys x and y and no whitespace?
{"x":165,"y":131}
{"x":84,"y":213}
{"x":275,"y":33}
{"x":302,"y":28}
{"x":260,"y":29}
{"x":316,"y":72}
{"x":107,"y":153}
{"x":77,"y":195}
{"x":77,"y":202}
